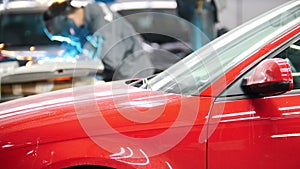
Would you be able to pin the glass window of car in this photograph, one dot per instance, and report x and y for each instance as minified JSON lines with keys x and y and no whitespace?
{"x":197,"y":71}
{"x":23,"y":29}
{"x":289,"y":51}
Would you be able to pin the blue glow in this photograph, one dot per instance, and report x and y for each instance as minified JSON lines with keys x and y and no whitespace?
{"x":49,"y":59}
{"x":70,"y":44}
{"x":105,"y":1}
{"x":61,"y":39}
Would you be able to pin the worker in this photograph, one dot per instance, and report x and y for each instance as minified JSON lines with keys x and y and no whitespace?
{"x":203,"y":14}
{"x":101,"y":35}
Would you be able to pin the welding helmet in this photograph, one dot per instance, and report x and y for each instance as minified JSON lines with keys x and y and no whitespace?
{"x":56,"y":16}
{"x":59,"y":27}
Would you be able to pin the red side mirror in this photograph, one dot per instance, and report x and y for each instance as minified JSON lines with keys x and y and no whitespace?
{"x":272,"y":76}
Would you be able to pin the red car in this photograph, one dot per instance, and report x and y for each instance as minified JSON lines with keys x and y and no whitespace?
{"x":233,"y":104}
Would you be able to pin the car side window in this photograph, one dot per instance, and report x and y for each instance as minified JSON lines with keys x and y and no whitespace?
{"x":292,"y":55}
{"x":23,"y":29}
{"x":290,"y":52}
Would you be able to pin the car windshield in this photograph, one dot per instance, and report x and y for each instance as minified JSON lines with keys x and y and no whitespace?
{"x":22,"y":29}
{"x":194,"y":73}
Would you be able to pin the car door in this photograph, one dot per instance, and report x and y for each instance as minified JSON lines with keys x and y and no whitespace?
{"x":260,"y":131}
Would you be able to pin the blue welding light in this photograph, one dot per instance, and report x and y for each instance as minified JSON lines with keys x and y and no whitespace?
{"x":61,"y":39}
{"x":105,"y":1}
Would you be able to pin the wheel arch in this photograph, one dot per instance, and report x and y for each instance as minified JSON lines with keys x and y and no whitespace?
{"x":88,"y":163}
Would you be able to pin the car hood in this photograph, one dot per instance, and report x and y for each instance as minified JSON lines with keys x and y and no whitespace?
{"x":34,"y":52}
{"x":67,"y":114}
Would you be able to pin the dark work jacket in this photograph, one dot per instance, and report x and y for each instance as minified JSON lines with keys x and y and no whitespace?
{"x":121,"y":51}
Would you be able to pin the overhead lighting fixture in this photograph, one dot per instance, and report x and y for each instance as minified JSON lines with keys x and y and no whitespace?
{"x":144,"y":5}
{"x":21,"y":4}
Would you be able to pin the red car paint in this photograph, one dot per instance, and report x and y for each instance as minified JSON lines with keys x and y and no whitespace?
{"x":87,"y":126}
